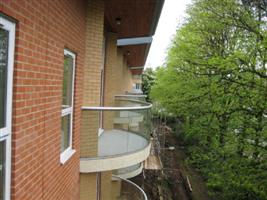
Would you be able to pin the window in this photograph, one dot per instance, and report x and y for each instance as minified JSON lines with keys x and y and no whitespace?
{"x":67,"y":106}
{"x":138,"y":86}
{"x":7,"y":40}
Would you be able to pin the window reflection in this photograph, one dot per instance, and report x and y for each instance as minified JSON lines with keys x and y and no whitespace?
{"x":67,"y":82}
{"x":3,"y":74}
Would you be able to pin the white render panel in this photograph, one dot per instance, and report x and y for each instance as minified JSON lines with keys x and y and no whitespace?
{"x":134,"y":41}
{"x":115,"y":162}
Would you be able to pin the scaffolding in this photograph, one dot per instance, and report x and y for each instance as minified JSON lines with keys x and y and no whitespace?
{"x":155,"y":166}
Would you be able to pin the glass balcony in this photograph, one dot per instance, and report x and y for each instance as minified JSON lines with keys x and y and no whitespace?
{"x":119,"y":136}
{"x":129,"y":190}
{"x":129,"y":172}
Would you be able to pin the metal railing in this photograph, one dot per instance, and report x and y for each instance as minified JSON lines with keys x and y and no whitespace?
{"x":130,"y":190}
{"x":122,"y":129}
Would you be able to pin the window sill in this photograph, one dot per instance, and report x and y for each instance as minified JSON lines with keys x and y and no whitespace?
{"x":66,"y":155}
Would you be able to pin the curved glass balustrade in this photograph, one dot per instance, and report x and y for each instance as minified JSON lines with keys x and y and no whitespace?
{"x":129,"y":172}
{"x":127,"y":169}
{"x":116,"y":131}
{"x":129,"y":190}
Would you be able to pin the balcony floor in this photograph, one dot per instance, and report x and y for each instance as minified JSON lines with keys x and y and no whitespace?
{"x":117,"y":142}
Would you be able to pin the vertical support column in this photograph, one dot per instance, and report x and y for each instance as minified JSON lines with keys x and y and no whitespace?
{"x":106,"y":185}
{"x":124,"y":83}
{"x":110,"y":69}
{"x":94,"y":53}
{"x":92,"y":76}
{"x":91,"y":93}
{"x":111,"y":78}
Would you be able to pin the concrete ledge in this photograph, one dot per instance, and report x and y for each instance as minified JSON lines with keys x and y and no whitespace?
{"x":88,"y":165}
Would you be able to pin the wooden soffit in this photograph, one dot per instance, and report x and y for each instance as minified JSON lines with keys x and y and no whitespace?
{"x":132,"y":18}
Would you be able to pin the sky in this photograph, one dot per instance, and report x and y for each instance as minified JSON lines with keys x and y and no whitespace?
{"x":172,"y":15}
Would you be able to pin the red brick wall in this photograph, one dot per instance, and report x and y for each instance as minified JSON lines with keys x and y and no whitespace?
{"x":44,"y":29}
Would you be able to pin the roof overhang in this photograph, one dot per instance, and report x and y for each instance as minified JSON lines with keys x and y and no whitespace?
{"x":135,"y":23}
{"x":136,"y":54}
{"x":133,"y":18}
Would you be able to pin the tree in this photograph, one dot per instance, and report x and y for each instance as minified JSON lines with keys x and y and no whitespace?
{"x":216,"y":79}
{"x":148,"y":78}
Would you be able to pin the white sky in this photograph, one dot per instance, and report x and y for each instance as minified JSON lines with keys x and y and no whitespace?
{"x":172,"y":15}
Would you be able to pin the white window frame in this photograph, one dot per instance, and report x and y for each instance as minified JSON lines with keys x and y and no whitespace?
{"x":5,"y":133}
{"x":67,"y":153}
{"x":138,"y":86}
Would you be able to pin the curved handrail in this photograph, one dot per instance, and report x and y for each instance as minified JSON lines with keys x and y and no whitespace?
{"x":134,"y":122}
{"x":145,"y":105}
{"x":106,"y":108}
{"x":117,"y":108}
{"x":120,"y":108}
{"x":132,"y":183}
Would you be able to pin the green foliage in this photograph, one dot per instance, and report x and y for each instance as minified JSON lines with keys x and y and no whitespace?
{"x":215,"y":80}
{"x":148,"y":78}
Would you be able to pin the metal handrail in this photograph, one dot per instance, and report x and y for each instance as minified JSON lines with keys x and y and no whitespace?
{"x":135,"y":105}
{"x":106,"y":108}
{"x":122,"y":108}
{"x":132,"y":183}
{"x":145,"y":106}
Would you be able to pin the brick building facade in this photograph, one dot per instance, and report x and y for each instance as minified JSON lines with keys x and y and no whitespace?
{"x":42,"y":161}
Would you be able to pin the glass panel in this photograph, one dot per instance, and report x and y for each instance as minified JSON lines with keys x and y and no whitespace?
{"x":67,"y":82}
{"x":65,"y":132}
{"x":126,"y":170}
{"x":2,"y":169}
{"x":3,"y":74}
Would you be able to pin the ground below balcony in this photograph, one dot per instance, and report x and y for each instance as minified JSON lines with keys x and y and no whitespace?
{"x":169,"y":182}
